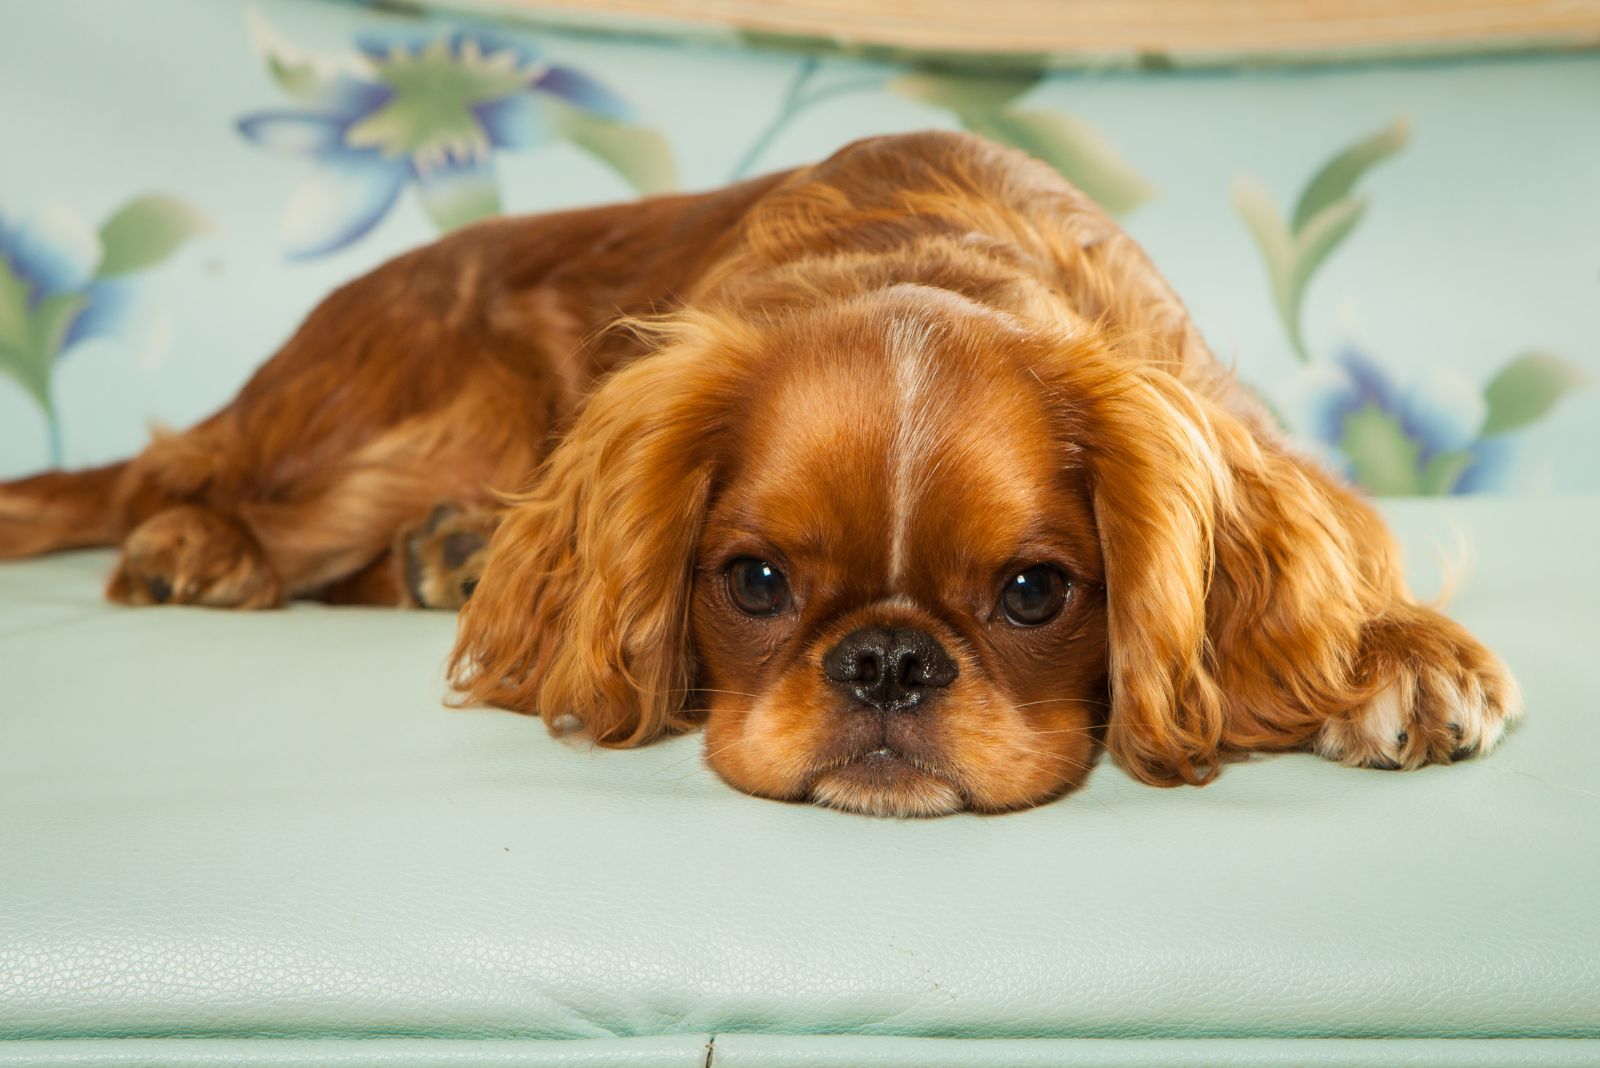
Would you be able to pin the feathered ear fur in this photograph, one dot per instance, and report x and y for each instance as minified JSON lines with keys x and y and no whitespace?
{"x":1158,"y":486}
{"x":1240,"y":579}
{"x":583,"y":606}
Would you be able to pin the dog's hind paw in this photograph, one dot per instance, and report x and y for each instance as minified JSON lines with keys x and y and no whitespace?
{"x":195,"y":556}
{"x":442,"y":559}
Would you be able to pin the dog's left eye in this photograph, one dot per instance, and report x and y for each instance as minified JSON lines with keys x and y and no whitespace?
{"x":1034,"y":596}
{"x":757,"y":587}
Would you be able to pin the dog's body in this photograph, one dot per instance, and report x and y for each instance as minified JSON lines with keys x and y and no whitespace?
{"x":850,"y":397}
{"x":442,"y":376}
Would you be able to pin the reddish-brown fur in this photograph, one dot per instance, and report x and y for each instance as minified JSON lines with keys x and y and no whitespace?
{"x":901,"y":374}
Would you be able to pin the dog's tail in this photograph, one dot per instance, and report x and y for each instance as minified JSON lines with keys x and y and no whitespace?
{"x":60,"y":510}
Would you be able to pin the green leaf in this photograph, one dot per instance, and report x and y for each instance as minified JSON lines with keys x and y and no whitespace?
{"x":13,"y":308}
{"x":1312,"y":245}
{"x":1527,"y":388}
{"x":1324,"y":217}
{"x":964,"y":94}
{"x":30,"y":360}
{"x":30,"y":338}
{"x":298,"y":78}
{"x":145,"y":231}
{"x":1080,"y":152}
{"x":461,"y":199}
{"x":1383,"y":458}
{"x":1254,"y":204}
{"x":1339,"y":175}
{"x":297,"y":74}
{"x":51,"y":321}
{"x":1442,"y":471}
{"x":639,"y":154}
{"x":20,"y":366}
{"x":986,"y":105}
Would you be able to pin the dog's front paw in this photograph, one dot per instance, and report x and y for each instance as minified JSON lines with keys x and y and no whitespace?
{"x":444,"y":557}
{"x":1438,"y":695}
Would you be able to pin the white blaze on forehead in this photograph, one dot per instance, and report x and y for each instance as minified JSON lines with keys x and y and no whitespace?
{"x":916,"y":434}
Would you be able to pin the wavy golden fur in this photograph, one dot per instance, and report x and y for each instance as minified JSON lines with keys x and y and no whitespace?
{"x":901,"y":391}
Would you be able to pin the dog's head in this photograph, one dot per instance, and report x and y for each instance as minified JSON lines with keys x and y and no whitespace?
{"x":904,"y":556}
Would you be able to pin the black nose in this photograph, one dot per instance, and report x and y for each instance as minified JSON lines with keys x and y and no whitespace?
{"x":891,"y":670}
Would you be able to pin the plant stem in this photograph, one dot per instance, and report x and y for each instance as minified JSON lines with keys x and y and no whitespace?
{"x":786,"y":111}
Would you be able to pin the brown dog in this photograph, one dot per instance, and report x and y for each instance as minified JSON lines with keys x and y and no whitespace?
{"x":905,"y":472}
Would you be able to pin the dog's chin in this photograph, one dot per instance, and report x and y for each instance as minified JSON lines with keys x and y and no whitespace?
{"x":886,"y":783}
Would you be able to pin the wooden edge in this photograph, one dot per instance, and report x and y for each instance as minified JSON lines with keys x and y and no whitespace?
{"x":1067,"y":33}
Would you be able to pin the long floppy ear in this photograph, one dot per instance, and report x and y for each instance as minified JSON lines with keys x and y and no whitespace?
{"x":1158,"y":487}
{"x":583,"y":606}
{"x":1238,"y":575}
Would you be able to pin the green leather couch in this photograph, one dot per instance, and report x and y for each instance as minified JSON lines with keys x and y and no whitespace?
{"x":260,"y":839}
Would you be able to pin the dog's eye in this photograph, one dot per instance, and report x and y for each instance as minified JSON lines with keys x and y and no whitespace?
{"x":1034,"y":596}
{"x":757,"y":587}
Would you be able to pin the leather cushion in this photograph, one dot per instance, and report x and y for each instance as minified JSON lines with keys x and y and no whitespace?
{"x":230,"y":825}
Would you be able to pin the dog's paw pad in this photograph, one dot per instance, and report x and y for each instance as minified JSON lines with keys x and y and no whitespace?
{"x":443,"y":558}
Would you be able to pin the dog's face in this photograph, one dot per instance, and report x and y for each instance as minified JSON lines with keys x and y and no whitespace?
{"x":897,"y":598}
{"x":878,"y":550}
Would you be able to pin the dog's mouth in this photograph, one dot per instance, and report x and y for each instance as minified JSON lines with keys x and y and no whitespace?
{"x":887,"y":782}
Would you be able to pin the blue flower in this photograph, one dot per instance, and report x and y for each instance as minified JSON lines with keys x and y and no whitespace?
{"x":62,"y":283}
{"x":53,"y":255}
{"x":422,"y":111}
{"x":1421,"y":437}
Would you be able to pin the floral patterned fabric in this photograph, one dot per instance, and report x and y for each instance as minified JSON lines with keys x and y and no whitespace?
{"x":1401,"y":259}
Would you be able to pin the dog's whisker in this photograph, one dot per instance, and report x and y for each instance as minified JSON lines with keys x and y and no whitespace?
{"x":700,"y":689}
{"x":1063,"y":700}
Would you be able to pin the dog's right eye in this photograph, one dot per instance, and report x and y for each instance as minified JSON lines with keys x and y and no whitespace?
{"x":757,"y":587}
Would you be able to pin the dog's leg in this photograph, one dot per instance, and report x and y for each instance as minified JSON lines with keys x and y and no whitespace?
{"x":60,"y":510}
{"x":328,"y":534}
{"x":435,"y":563}
{"x":325,"y":535}
{"x":376,"y":584}
{"x":1437,"y":695}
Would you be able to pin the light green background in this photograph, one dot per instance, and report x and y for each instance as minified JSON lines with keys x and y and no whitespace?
{"x":1482,"y":239}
